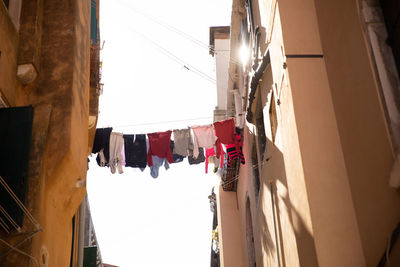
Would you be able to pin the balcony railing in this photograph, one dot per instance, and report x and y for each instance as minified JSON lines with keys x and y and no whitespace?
{"x":231,"y":176}
{"x":95,"y":65}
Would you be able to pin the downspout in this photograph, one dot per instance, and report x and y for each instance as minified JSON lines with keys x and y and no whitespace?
{"x":254,"y":84}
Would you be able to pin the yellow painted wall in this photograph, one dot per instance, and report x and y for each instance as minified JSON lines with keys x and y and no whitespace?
{"x":60,"y":138}
{"x":8,"y":56}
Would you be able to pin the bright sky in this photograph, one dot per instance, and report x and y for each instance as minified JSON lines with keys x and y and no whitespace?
{"x":141,"y":221}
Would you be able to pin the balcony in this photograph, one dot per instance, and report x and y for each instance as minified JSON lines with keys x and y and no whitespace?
{"x":230,"y":176}
{"x":95,"y":66}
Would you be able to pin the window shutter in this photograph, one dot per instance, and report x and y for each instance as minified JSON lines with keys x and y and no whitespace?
{"x":15,"y":139}
{"x":93,"y":22}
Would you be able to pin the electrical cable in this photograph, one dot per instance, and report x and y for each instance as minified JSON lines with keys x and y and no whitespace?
{"x":180,"y":32}
{"x":175,"y":58}
{"x":236,"y":177}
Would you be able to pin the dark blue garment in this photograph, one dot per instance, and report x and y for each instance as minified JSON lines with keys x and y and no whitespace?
{"x":102,"y":141}
{"x":135,"y":150}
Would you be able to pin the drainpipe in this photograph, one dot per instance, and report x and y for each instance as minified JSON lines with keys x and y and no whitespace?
{"x":254,"y":83}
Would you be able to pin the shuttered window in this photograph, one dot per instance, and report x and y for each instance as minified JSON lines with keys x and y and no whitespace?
{"x":93,"y":22}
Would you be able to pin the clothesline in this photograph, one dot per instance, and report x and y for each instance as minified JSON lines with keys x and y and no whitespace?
{"x":160,"y":122}
{"x":221,"y":140}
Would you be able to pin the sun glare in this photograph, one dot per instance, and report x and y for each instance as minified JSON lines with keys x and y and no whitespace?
{"x":244,"y":54}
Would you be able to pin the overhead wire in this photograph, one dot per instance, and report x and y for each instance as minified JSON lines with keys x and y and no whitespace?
{"x":176,"y":58}
{"x":236,"y":177}
{"x":182,"y":33}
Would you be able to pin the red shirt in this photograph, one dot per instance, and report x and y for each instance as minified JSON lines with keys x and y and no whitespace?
{"x":159,"y":145}
{"x":225,"y":131}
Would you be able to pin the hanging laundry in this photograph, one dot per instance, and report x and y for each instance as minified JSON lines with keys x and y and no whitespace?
{"x":101,"y":139}
{"x":203,"y":136}
{"x":176,"y":157}
{"x":226,"y":134}
{"x":101,"y":145}
{"x":116,"y":142}
{"x":234,"y":151}
{"x":225,"y":131}
{"x":210,"y":152}
{"x":135,"y":150}
{"x":182,"y":141}
{"x":200,"y":158}
{"x":159,"y":145}
{"x":101,"y":159}
{"x":123,"y":154}
{"x":157,"y":163}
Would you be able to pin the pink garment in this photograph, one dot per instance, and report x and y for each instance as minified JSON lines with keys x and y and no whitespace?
{"x":211,"y":152}
{"x":203,"y":136}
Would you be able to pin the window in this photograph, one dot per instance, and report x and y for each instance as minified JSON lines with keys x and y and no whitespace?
{"x":261,"y":136}
{"x":272,"y":118}
{"x":259,"y":144}
{"x":256,"y":174}
{"x":15,"y":136}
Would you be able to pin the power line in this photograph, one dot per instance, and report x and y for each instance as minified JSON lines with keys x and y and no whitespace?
{"x":180,"y":32}
{"x":175,"y":58}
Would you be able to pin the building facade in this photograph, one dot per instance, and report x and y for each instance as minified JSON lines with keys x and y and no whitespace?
{"x":49,"y":88}
{"x":318,"y":102}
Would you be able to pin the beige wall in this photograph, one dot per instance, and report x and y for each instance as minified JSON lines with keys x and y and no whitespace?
{"x":362,"y":125}
{"x":229,"y":230}
{"x":330,"y":161}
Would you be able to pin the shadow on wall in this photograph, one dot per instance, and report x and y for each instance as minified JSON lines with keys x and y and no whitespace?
{"x":274,"y":166}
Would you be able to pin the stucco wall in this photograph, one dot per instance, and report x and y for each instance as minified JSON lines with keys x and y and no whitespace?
{"x":361,"y":122}
{"x":60,"y":95}
{"x":8,"y":56}
{"x":229,"y":230}
{"x":331,"y":157}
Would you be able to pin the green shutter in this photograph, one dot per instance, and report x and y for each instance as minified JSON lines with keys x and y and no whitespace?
{"x":93,"y":23}
{"x":90,"y":257}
